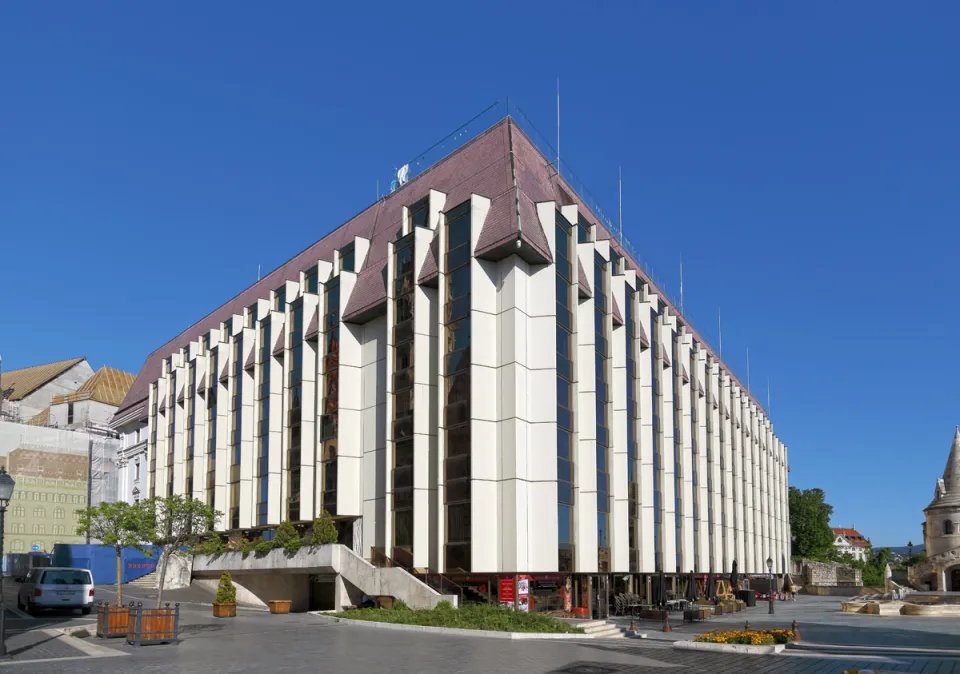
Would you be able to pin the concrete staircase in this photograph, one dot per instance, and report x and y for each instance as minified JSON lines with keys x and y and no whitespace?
{"x":602,"y":629}
{"x":148,"y":581}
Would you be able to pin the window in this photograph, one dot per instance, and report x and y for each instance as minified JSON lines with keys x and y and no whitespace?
{"x":136,"y":470}
{"x":311,"y":280}
{"x":280,"y":298}
{"x":69,"y":413}
{"x":38,"y":529}
{"x":39,"y":512}
{"x":417,"y":214}
{"x":18,"y":546}
{"x":948,"y":528}
{"x":18,"y":511}
{"x":347,"y":260}
{"x":16,"y":528}
{"x":58,"y":514}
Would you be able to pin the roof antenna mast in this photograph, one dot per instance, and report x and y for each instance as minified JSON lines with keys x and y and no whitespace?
{"x":558,"y":126}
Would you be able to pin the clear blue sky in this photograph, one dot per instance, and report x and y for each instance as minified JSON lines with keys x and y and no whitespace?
{"x":804,"y":158}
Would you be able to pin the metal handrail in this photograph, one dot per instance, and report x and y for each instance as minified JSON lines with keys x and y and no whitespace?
{"x":381,"y":559}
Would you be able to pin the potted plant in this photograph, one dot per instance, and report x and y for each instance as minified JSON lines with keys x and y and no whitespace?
{"x":280,"y":606}
{"x":225,"y":605}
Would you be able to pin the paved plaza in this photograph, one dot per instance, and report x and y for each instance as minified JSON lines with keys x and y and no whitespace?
{"x":256,"y":641}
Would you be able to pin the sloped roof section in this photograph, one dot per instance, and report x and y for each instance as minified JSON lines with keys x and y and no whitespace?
{"x":582,"y":281}
{"x":313,"y":329}
{"x":617,"y":317}
{"x":42,"y":419}
{"x":25,"y":381}
{"x":107,"y":385}
{"x":947,"y":492}
{"x":430,"y":270}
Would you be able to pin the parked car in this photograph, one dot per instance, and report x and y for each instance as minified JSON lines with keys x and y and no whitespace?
{"x":56,"y":587}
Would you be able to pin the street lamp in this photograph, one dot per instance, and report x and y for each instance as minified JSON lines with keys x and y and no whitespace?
{"x":7,"y":485}
{"x":770,"y":571}
{"x":909,"y":552}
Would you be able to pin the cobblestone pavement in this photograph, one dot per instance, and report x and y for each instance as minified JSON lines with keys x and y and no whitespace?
{"x":38,"y":645}
{"x":298,"y":643}
{"x":821,"y":621}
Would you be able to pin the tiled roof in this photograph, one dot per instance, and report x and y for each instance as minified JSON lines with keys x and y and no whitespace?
{"x":502,"y":164}
{"x":41,"y":419}
{"x":852,"y":535}
{"x":107,"y":385}
{"x":28,"y":379}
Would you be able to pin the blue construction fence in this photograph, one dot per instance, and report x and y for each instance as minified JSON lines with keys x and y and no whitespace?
{"x":102,"y":561}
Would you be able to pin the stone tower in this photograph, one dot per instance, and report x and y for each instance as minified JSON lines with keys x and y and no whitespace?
{"x":941,"y":532}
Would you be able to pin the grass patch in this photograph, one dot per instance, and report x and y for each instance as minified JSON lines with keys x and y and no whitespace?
{"x":748,"y":637}
{"x":470,"y":617}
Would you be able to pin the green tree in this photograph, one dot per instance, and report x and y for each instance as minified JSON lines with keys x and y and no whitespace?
{"x":324,"y":530}
{"x":119,"y":525}
{"x":810,"y":524}
{"x":178,"y":523}
{"x":286,"y":538}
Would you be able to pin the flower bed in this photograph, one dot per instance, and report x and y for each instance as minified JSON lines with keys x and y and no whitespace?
{"x":747,"y":637}
{"x":470,"y":617}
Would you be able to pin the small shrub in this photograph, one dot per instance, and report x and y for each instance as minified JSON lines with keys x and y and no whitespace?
{"x":211,"y":546}
{"x":262,"y":547}
{"x":226,"y":592}
{"x":324,"y":530}
{"x":400,"y":605}
{"x":248,"y":546}
{"x":486,"y":617}
{"x":286,"y":538}
{"x":443,"y":605}
{"x":748,"y":637}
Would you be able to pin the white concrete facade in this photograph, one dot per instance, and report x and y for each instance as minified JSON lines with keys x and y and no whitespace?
{"x":708,"y":473}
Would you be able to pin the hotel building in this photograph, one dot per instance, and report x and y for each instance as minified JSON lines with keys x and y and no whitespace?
{"x":474,"y":378}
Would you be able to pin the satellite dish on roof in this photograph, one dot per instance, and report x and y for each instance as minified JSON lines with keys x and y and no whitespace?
{"x":403,"y":174}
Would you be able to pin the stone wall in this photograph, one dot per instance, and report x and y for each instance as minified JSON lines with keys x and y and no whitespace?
{"x":830,"y":574}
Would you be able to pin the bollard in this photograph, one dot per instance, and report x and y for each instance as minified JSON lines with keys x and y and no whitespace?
{"x":795,"y":628}
{"x":746,"y":628}
{"x":666,"y":622}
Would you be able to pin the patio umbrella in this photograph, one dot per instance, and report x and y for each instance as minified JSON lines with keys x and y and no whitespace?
{"x":660,"y":596}
{"x":711,"y":589}
{"x":734,"y":578}
{"x":692,"y":587}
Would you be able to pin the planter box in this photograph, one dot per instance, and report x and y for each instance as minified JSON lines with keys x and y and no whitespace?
{"x":153,"y":625}
{"x":224,"y":610}
{"x":278,"y":606}
{"x":112,"y":621}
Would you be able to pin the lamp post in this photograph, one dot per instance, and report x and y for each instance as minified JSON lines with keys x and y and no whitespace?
{"x":909,"y":552}
{"x":7,"y":485}
{"x":770,"y":592}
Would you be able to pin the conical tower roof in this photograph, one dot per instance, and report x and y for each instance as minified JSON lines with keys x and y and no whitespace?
{"x":948,"y":488}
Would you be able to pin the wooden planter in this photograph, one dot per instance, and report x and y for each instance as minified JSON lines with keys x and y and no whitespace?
{"x":224,"y":610}
{"x":153,"y":625}
{"x":112,"y":621}
{"x":278,"y":606}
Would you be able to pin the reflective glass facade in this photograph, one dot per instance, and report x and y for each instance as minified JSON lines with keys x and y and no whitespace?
{"x":456,"y":411}
{"x":330,"y":403}
{"x":404,"y":286}
{"x":565,"y":394}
